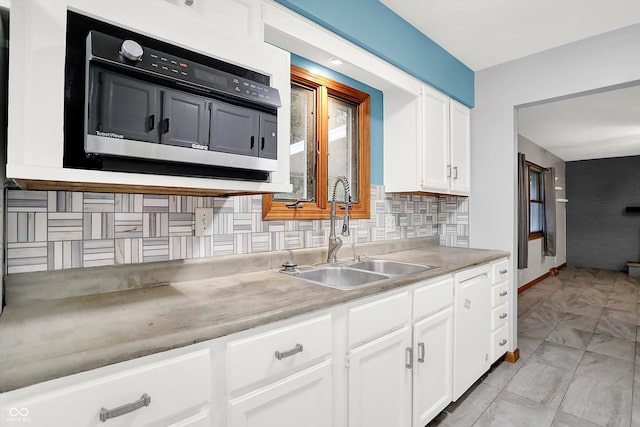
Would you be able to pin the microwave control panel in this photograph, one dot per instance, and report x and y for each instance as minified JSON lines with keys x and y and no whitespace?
{"x":131,"y":55}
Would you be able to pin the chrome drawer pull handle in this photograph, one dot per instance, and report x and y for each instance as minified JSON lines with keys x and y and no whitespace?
{"x":502,"y":343}
{"x":297,"y":349}
{"x":503,"y":293}
{"x":503,"y":271}
{"x":421,"y":352}
{"x":408,"y":360}
{"x":106,"y":414}
{"x":503,"y":316}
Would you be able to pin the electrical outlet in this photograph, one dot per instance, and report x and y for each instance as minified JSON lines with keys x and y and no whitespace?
{"x":390,"y":223}
{"x":204,"y":222}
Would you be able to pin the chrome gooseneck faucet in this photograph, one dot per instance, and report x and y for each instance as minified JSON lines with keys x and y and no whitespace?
{"x":336,"y":242}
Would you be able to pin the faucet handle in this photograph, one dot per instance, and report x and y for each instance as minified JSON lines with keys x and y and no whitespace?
{"x":289,"y":266}
{"x":358,"y":256}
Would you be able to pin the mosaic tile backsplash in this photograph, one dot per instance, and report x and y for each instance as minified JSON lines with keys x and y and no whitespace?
{"x":54,"y":230}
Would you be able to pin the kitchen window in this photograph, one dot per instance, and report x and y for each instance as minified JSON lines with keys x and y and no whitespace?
{"x":536,"y":201}
{"x":329,"y":138}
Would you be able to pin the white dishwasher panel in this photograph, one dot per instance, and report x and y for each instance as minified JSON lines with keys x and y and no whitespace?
{"x":471,"y":327}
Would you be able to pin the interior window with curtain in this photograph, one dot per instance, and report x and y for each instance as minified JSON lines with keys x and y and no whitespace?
{"x":536,"y":202}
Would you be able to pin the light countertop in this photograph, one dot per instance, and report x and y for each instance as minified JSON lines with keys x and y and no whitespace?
{"x":46,"y":339}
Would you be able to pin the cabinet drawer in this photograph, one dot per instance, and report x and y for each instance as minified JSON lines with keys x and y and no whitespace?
{"x":499,"y":294}
{"x":303,"y":399}
{"x":499,"y":271}
{"x":277,"y":352}
{"x":175,"y":389}
{"x":499,"y":316}
{"x":432,"y":297}
{"x":499,"y":342}
{"x":374,"y":319}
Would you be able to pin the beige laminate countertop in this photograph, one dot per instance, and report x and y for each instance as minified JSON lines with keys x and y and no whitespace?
{"x":42,"y":340}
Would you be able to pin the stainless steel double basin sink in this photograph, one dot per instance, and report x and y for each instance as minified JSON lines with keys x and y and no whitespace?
{"x":351,"y":275}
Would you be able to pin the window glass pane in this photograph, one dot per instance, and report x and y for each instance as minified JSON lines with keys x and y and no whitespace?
{"x":302,"y":146}
{"x":535,"y":217}
{"x":535,"y":187}
{"x":343,"y":147}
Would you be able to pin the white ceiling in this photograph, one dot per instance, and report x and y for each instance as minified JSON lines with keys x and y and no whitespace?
{"x":598,"y":125}
{"x":484,"y":33}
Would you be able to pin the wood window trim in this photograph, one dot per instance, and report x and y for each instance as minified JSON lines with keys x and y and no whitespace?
{"x":320,"y":209}
{"x":536,"y":235}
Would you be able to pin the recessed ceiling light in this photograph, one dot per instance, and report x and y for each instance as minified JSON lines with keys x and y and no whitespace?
{"x":335,"y":61}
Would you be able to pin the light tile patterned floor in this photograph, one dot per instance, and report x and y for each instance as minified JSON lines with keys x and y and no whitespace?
{"x":579,"y":359}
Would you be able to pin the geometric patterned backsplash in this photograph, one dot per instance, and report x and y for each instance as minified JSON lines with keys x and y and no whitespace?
{"x":55,"y":230}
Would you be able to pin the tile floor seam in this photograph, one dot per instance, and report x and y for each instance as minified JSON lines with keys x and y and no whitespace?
{"x":565,"y":392}
{"x":487,"y":408}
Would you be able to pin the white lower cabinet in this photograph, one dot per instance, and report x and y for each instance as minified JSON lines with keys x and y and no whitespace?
{"x":171,"y":392}
{"x":500,"y":309}
{"x":471,"y":327}
{"x":432,"y":339}
{"x":380,"y":381}
{"x":393,"y":359}
{"x":282,"y":376}
{"x":302,"y":399}
{"x":404,"y":377}
{"x":200,"y":420}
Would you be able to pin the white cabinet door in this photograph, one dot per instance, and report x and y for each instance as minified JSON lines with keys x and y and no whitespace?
{"x":151,"y":394}
{"x":302,"y":399}
{"x":471,"y":327}
{"x":432,"y":343}
{"x":380,"y":382}
{"x":434,"y":156}
{"x":460,"y":139}
{"x":202,"y":419}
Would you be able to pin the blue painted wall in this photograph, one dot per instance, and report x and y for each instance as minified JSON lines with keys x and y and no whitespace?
{"x":377,"y":29}
{"x":376,"y":105}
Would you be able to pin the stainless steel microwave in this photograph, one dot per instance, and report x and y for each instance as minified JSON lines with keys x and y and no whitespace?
{"x":153,"y":107}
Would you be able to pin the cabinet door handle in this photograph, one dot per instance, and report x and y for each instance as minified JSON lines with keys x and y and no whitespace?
{"x":503,"y":316}
{"x":502,"y":343}
{"x":151,"y":122}
{"x":408,"y":360}
{"x":503,"y":271}
{"x":253,"y":142}
{"x":165,"y":126}
{"x":455,"y":172}
{"x":106,"y":414}
{"x":503,"y":293}
{"x":421,"y":352}
{"x":262,"y":144}
{"x":281,"y":355}
{"x":448,"y":171}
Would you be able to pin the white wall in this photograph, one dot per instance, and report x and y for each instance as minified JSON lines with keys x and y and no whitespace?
{"x":538,"y":263}
{"x":3,"y":144}
{"x":605,"y":60}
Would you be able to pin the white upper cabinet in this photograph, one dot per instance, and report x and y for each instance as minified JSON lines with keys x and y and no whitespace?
{"x":444,"y":148}
{"x":433,"y":153}
{"x":427,"y":143}
{"x":230,"y":16}
{"x":460,"y":149}
{"x":228,"y":30}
